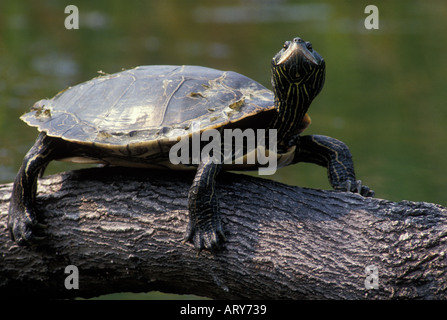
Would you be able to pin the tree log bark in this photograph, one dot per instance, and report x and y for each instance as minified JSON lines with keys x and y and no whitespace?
{"x":123,"y":229}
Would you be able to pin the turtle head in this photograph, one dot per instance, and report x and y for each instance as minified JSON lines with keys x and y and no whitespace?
{"x":298,"y":73}
{"x":297,"y":63}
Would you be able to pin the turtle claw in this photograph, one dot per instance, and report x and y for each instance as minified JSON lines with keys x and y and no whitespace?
{"x":211,"y":240}
{"x":367,"y":192}
{"x":356,"y":187}
{"x":363,"y":190}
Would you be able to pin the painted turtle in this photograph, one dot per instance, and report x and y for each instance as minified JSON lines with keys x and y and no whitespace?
{"x":135,"y":117}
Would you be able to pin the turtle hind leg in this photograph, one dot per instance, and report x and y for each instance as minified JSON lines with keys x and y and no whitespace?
{"x":205,"y":228}
{"x":23,"y":224}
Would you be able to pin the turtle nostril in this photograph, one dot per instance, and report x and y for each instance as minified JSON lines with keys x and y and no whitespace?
{"x":298,"y":40}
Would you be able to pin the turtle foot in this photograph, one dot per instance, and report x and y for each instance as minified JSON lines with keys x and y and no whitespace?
{"x":356,"y":187}
{"x":212,"y":240}
{"x":23,"y":227}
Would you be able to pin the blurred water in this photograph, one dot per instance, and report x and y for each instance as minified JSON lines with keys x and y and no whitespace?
{"x":265,"y":13}
{"x":384,"y":96}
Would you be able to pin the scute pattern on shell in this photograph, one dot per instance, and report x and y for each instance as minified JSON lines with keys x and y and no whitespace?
{"x":149,"y":104}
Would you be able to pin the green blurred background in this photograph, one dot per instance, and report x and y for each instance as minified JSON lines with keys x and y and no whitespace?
{"x":385,"y":94}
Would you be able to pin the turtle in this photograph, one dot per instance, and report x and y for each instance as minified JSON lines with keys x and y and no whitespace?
{"x":137,"y":116}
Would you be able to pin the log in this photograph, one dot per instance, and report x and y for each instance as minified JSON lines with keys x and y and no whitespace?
{"x":123,"y":228}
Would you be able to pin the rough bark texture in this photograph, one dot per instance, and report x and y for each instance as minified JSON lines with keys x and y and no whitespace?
{"x":123,"y":229}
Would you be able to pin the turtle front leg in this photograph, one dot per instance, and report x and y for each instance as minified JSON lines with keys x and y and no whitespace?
{"x":23,"y":225}
{"x":205,"y":228}
{"x":336,"y":157}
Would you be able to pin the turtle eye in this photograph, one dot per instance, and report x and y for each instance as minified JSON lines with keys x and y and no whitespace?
{"x":286,"y":44}
{"x":309,"y":46}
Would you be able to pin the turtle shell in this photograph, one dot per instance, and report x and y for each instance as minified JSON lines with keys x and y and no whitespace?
{"x":148,"y":105}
